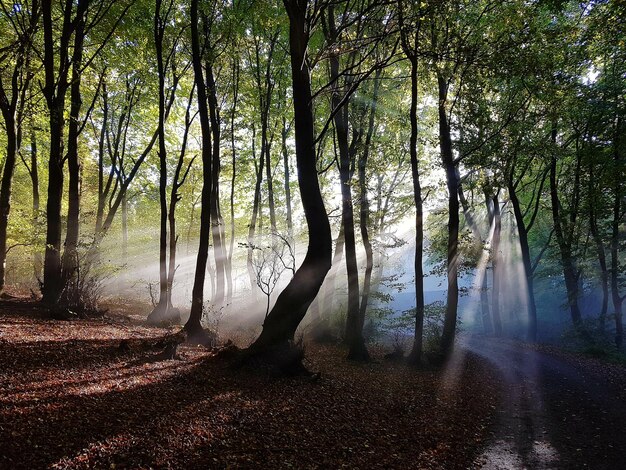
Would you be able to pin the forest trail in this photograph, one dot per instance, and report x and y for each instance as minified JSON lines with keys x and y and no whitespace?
{"x":558,"y":411}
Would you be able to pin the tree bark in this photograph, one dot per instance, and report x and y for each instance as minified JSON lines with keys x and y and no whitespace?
{"x":217,"y":227}
{"x":522,"y":232}
{"x":570,"y":272}
{"x":193,"y":325}
{"x":452,"y":181}
{"x":55,"y":91}
{"x":495,"y":264}
{"x":415,"y":356}
{"x":160,"y":313}
{"x":354,"y":323}
{"x":292,"y":303}
{"x":615,"y":223}
{"x":287,"y":187}
{"x":597,"y":239}
{"x":70,"y":254}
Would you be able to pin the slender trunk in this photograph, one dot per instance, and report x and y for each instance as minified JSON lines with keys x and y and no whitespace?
{"x":217,"y":227}
{"x":364,"y":216}
{"x":70,"y":254}
{"x":287,"y":187}
{"x":597,"y":239}
{"x":415,"y":356}
{"x":160,"y":312}
{"x":193,"y":325}
{"x":34,"y":178}
{"x":495,"y":264}
{"x":231,"y":248}
{"x":452,"y":180}
{"x":329,"y":285}
{"x":292,"y":303}
{"x":522,"y":232}
{"x":255,"y":213}
{"x":615,"y":223}
{"x":354,"y":323}
{"x":5,"y":186}
{"x":570,"y":272}
{"x":101,"y":150}
{"x":125,"y":233}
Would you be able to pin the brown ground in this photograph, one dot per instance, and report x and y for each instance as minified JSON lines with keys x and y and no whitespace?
{"x":70,"y":397}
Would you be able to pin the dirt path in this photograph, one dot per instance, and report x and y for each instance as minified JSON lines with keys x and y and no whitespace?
{"x":557,"y":412}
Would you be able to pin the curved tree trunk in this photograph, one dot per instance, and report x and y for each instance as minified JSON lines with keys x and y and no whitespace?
{"x":293,"y":302}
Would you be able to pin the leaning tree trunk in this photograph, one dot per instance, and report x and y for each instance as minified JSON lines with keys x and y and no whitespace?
{"x":522,"y":232}
{"x":292,"y":303}
{"x":452,"y":181}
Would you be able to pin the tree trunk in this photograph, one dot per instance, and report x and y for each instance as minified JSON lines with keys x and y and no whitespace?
{"x":287,"y":176}
{"x":217,"y":227}
{"x":55,"y":90}
{"x":292,"y":303}
{"x":125,"y":234}
{"x":34,"y":178}
{"x":615,"y":223}
{"x":7,"y":180}
{"x":522,"y":232}
{"x":354,"y":323}
{"x":364,"y":216}
{"x":160,"y":313}
{"x":597,"y":239}
{"x":255,"y":213}
{"x":495,"y":264}
{"x":70,"y":254}
{"x":415,"y":355}
{"x":231,"y":248}
{"x":570,"y":272}
{"x":452,"y":181}
{"x":193,"y":325}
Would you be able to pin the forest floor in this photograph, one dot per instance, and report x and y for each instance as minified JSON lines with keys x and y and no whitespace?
{"x":95,"y":394}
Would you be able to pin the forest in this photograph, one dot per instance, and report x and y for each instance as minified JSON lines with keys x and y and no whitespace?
{"x":312,"y":233}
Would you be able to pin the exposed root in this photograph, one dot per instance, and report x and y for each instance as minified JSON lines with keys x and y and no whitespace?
{"x":284,"y":359}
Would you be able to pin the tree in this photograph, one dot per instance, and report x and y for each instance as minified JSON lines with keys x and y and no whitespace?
{"x":292,"y":303}
{"x":16,"y":60}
